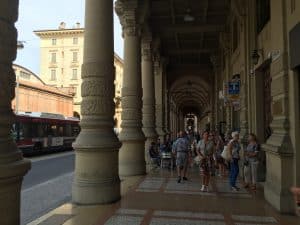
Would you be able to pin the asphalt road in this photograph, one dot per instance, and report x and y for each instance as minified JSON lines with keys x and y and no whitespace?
{"x":47,"y":185}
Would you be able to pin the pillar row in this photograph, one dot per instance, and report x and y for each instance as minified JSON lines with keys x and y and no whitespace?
{"x":159,"y":103}
{"x":12,"y":165}
{"x":148,"y":94}
{"x":132,"y":156}
{"x":96,"y":165}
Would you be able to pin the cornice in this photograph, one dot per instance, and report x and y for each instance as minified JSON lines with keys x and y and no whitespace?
{"x":49,"y":33}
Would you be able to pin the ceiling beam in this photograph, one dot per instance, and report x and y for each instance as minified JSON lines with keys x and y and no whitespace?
{"x":190,"y":51}
{"x":185,"y":28}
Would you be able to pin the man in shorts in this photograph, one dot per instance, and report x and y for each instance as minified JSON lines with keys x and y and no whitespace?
{"x":181,"y":148}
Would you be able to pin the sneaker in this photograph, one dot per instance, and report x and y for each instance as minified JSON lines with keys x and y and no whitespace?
{"x":206,"y":189}
{"x":202,"y":188}
{"x":179,"y":180}
{"x":184,"y":178}
{"x":234,"y":189}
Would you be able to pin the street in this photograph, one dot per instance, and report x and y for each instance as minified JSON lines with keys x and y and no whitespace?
{"x":47,"y":185}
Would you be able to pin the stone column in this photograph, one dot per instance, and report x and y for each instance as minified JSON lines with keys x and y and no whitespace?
{"x":148,"y":94}
{"x":96,"y":166}
{"x":159,"y":98}
{"x":12,"y":165}
{"x":166,"y":106}
{"x":132,"y":153}
{"x":279,"y":149}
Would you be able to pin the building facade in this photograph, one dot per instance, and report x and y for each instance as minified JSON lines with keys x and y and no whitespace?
{"x":33,"y":95}
{"x":61,"y":57}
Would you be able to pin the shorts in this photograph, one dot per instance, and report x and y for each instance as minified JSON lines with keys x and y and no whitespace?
{"x":181,"y":159}
{"x":206,"y":165}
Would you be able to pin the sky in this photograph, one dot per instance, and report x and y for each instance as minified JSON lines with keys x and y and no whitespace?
{"x":47,"y":14}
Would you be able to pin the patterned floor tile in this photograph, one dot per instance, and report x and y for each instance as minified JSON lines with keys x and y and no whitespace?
{"x":56,"y":219}
{"x":146,"y":190}
{"x":195,"y":215}
{"x":255,"y":224}
{"x":151,"y":183}
{"x":131,"y":211}
{"x":188,"y":186}
{"x":225,"y":188}
{"x":124,"y":220}
{"x":191,"y":193}
{"x":259,"y":219}
{"x":235,"y":195}
{"x":162,"y":221}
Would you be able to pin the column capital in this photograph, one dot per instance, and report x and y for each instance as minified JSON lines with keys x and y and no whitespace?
{"x":129,"y":18}
{"x":146,"y":47}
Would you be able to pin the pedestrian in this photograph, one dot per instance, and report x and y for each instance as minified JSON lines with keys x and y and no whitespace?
{"x":181,"y":149}
{"x":205,"y":150}
{"x":251,"y":162}
{"x":154,"y":153}
{"x":219,"y":159}
{"x":234,"y":148}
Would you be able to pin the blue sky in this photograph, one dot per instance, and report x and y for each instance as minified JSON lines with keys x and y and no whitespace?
{"x":47,"y":14}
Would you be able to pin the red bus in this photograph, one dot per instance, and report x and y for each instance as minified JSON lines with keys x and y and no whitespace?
{"x":44,"y":132}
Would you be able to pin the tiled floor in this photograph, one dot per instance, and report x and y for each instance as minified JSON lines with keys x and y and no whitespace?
{"x":158,"y":199}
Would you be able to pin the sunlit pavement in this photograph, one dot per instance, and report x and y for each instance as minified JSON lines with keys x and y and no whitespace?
{"x":47,"y":185}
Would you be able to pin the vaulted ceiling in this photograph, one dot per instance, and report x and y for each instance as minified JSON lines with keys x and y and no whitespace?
{"x":189,"y":31}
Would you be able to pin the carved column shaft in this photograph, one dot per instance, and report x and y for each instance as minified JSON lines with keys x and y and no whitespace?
{"x":148,"y":94}
{"x":159,"y":107}
{"x":96,"y":166}
{"x":12,"y":165}
{"x":132,"y":155}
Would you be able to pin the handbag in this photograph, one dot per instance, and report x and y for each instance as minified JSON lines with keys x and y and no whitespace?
{"x":225,"y":153}
{"x":198,"y":159}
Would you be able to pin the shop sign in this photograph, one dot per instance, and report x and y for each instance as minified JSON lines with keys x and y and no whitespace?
{"x":234,"y":88}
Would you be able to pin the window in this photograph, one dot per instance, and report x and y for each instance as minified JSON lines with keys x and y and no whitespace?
{"x":53,"y":57}
{"x":74,"y":74}
{"x":263,"y":11}
{"x":75,"y":56}
{"x":25,"y":75}
{"x":75,"y":41}
{"x":53,"y":41}
{"x":235,"y":35}
{"x":53,"y":75}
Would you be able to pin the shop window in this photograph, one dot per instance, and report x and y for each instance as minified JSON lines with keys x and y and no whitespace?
{"x":263,"y":12}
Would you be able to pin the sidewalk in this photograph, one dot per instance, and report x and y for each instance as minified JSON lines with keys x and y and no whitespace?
{"x":158,"y":199}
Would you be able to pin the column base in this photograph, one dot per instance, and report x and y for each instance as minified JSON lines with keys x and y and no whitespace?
{"x":278,"y":182}
{"x":87,"y":193}
{"x":11,"y":177}
{"x":96,"y":179}
{"x":132,"y":158}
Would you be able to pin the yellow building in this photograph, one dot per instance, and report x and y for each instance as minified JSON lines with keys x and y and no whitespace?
{"x":61,"y":57}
